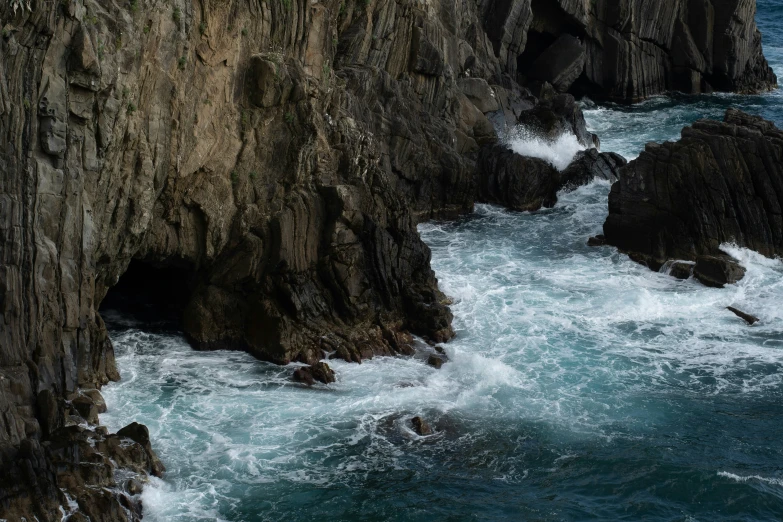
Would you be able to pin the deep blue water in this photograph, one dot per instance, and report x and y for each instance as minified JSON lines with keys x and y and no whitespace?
{"x":581,"y":386}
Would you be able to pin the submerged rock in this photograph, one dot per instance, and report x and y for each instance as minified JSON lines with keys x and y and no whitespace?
{"x":596,"y":241}
{"x":436,"y":361}
{"x":420,"y":426}
{"x":721,"y":183}
{"x":750,"y":319}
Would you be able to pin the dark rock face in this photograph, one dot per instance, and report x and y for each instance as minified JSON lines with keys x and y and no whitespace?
{"x":516,"y":182}
{"x":527,"y":184}
{"x":81,"y":462}
{"x":722,"y":182}
{"x":717,"y":271}
{"x":679,"y":269}
{"x":555,"y":114}
{"x":632,"y":49}
{"x":436,"y":361}
{"x":590,"y":164}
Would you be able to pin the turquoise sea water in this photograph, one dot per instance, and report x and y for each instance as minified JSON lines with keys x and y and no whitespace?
{"x":581,"y":386}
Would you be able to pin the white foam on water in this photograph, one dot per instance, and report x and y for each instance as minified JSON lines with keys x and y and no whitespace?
{"x":749,"y":478}
{"x":550,"y":332}
{"x":558,"y":152}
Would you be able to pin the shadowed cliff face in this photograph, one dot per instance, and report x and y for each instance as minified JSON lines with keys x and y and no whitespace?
{"x":280,"y":152}
{"x":629,"y":50}
{"x":721,"y":183}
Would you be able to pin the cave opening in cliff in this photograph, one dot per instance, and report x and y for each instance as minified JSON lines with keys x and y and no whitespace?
{"x":155,"y":294}
{"x":549,"y":22}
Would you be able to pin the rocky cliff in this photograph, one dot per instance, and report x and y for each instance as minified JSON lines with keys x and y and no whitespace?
{"x":266,"y":162}
{"x":628,"y":50}
{"x":721,"y":183}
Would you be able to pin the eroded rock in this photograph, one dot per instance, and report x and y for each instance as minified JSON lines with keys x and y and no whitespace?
{"x":721,"y":183}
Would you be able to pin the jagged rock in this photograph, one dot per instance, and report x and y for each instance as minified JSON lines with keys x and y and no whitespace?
{"x":555,"y":114}
{"x":96,"y":397}
{"x":420,"y":426}
{"x":304,"y":376}
{"x":86,"y":408}
{"x":133,"y":486}
{"x":721,"y":183}
{"x":319,"y":371}
{"x":560,"y":64}
{"x":717,"y":271}
{"x":590,"y":164}
{"x":141,"y":434}
{"x":480,"y":93}
{"x":514,"y":181}
{"x":750,"y":319}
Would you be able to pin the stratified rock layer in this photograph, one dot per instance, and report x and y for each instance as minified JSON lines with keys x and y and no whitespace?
{"x":628,"y":50}
{"x":721,"y":183}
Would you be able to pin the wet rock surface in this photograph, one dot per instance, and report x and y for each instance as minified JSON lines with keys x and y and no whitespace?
{"x":320,"y":372}
{"x":717,"y":271}
{"x":420,"y":426}
{"x":750,"y":319}
{"x":721,"y":183}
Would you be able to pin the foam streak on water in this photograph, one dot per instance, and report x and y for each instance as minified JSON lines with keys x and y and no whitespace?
{"x":582,"y":385}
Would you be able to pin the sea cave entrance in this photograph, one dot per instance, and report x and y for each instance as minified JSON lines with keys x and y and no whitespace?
{"x":151,"y":293}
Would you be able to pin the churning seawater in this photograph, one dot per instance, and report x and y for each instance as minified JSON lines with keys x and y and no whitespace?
{"x":581,"y":385}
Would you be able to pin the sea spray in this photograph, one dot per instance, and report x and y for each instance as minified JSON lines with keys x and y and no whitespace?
{"x":558,"y":152}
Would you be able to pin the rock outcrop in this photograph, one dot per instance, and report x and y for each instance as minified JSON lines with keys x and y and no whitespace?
{"x":721,"y":183}
{"x":266,"y":163}
{"x":628,"y":50}
{"x":522,"y":183}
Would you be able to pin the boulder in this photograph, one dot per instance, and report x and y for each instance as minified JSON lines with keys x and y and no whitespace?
{"x":555,"y":114}
{"x":436,"y":361}
{"x":514,"y":181}
{"x":722,"y":182}
{"x":86,"y":408}
{"x":596,"y":241}
{"x":420,"y":426}
{"x":590,"y":164}
{"x":319,"y":371}
{"x":717,"y":271}
{"x":141,"y":434}
{"x":480,"y":93}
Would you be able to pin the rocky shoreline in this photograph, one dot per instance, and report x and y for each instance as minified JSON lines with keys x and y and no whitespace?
{"x":267,"y":163}
{"x":722,"y":182}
